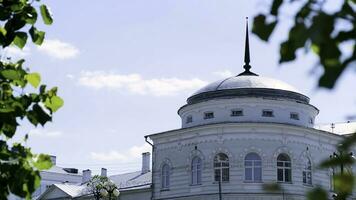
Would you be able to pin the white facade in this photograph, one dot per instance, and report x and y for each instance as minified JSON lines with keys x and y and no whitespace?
{"x":245,"y":131}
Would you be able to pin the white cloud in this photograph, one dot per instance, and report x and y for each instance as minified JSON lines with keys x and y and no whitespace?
{"x":70,"y":76}
{"x":15,"y":52}
{"x":136,"y":84}
{"x":131,"y":154}
{"x":58,"y":49}
{"x":224,"y":73}
{"x":45,"y":133}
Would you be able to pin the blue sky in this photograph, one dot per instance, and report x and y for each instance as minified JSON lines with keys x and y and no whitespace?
{"x":125,"y":67}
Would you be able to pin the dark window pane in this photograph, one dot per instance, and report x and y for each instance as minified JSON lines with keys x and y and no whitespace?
{"x":258,"y":163}
{"x":248,"y":174}
{"x":217,"y":174}
{"x":225,"y":174}
{"x":280,"y":175}
{"x":287,"y":175}
{"x":257,"y":174}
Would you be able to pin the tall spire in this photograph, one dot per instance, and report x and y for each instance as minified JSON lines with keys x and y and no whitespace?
{"x":247,"y":65}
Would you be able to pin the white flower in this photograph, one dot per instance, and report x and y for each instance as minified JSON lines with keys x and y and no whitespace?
{"x":103,"y":192}
{"x":116,"y":192}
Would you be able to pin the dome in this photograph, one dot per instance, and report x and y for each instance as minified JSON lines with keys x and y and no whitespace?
{"x":236,"y":82}
{"x":247,"y":86}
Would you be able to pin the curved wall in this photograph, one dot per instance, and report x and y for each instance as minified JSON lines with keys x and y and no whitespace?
{"x":237,"y":140}
{"x":252,"y":111}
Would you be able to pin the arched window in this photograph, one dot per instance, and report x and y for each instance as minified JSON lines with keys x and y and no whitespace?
{"x":196,"y":170}
{"x":221,"y":167}
{"x":284,"y":168}
{"x":165,"y":176}
{"x":253,"y":167}
{"x":307,"y":172}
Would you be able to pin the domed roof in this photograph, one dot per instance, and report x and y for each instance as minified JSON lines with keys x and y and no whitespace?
{"x":247,"y":86}
{"x":237,"y":82}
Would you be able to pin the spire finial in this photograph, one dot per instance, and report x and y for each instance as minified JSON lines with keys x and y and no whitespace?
{"x":247,"y":49}
{"x":247,"y":65}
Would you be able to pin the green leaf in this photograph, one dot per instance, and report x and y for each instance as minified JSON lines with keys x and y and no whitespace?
{"x":30,"y":15}
{"x":54,"y":103}
{"x":275,"y":6}
{"x":3,"y":31}
{"x":272,"y":187}
{"x":20,"y":39}
{"x":38,"y":116}
{"x":344,"y":183}
{"x":317,"y":193}
{"x":36,"y":35}
{"x":10,"y":74}
{"x":263,"y":29}
{"x":287,"y":52}
{"x":42,"y":162}
{"x":34,"y":79}
{"x":46,"y":15}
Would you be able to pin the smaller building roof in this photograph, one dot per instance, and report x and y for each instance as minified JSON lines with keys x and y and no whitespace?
{"x":60,"y":170}
{"x":132,"y":180}
{"x":72,"y":190}
{"x":125,"y":182}
{"x":340,"y":128}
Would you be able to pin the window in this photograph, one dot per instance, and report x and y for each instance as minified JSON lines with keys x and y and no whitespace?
{"x":267,"y":113}
{"x":294,"y":116}
{"x":208,"y":115}
{"x":221,"y":167}
{"x":284,"y":168}
{"x":196,"y":171}
{"x":189,"y":119}
{"x":311,"y":121}
{"x":165,"y":176}
{"x":307,"y":172}
{"x":332,"y":173}
{"x":237,"y":112}
{"x":253,"y":167}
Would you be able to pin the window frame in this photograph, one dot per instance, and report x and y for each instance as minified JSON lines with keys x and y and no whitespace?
{"x":294,"y":116}
{"x":207,"y":113}
{"x":196,"y":171}
{"x":264,"y":111}
{"x":165,"y":176}
{"x":254,"y":166}
{"x":237,"y":110}
{"x":224,"y":167}
{"x":285,"y":168}
{"x":189,"y":119}
{"x":307,"y":174}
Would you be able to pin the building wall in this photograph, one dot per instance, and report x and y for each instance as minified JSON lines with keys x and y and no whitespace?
{"x":136,"y":195}
{"x":49,"y":178}
{"x":252,"y":111}
{"x":237,"y":140}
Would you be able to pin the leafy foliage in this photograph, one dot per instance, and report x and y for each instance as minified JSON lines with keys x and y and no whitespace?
{"x":102,"y":187}
{"x":19,"y":167}
{"x":315,"y":29}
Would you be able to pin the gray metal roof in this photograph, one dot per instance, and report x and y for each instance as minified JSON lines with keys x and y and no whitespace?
{"x":60,"y":170}
{"x":132,"y":180}
{"x":237,"y":82}
{"x":247,"y":86}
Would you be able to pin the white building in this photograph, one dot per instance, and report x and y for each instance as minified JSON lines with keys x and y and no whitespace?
{"x":54,"y":175}
{"x":132,"y":186}
{"x":243,"y":132}
{"x":240,"y":133}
